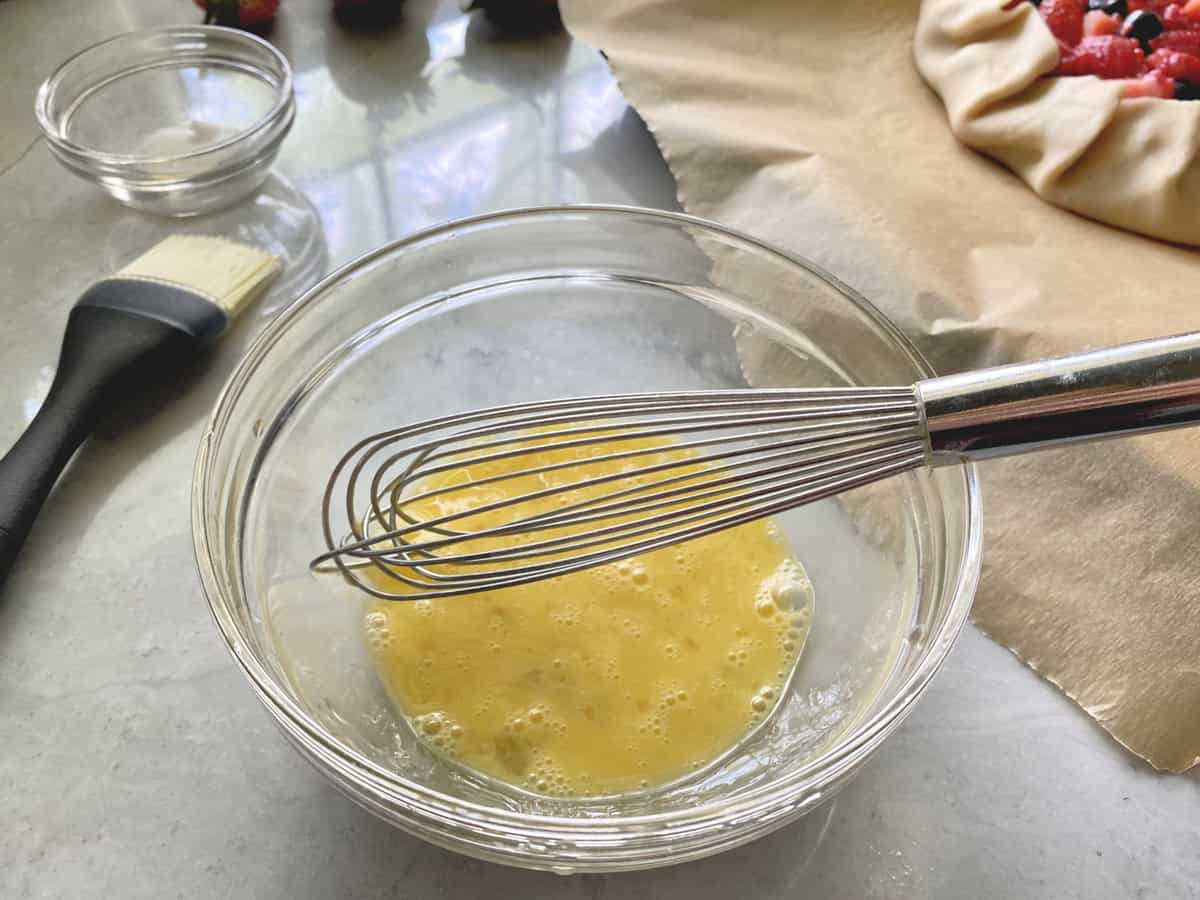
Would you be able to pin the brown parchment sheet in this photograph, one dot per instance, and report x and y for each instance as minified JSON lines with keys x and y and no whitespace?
{"x":809,"y":126}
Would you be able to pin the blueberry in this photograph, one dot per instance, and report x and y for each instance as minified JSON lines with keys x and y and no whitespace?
{"x":521,"y":16}
{"x":1143,"y":25}
{"x":1112,"y":7}
{"x":1186,"y":90}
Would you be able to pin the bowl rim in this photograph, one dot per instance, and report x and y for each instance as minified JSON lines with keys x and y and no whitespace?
{"x":284,"y":97}
{"x":448,"y":810}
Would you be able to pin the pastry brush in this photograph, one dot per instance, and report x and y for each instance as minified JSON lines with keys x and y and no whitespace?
{"x":127,"y":334}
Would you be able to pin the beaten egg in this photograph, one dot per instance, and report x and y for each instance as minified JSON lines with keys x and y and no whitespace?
{"x":622,"y":677}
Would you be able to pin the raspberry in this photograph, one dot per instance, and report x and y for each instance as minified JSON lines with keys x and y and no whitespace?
{"x":1183,"y":41}
{"x":254,"y":15}
{"x":1064,"y":18}
{"x":1174,"y":64}
{"x":1107,"y":57}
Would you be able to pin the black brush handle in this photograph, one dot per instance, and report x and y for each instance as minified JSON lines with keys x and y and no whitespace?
{"x":109,"y":358}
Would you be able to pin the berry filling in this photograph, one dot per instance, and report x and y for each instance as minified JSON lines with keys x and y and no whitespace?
{"x":1153,"y":46}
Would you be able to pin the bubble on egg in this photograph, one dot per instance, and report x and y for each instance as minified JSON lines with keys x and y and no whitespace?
{"x":377,"y":631}
{"x":439,"y":730}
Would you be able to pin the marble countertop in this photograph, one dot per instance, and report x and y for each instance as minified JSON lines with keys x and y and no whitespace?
{"x":134,"y":760}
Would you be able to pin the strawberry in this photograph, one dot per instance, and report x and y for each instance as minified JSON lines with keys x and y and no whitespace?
{"x":1183,"y":41}
{"x":1191,"y":9}
{"x":1064,"y":18}
{"x":1097,"y":23}
{"x":1153,"y":84}
{"x":252,"y":15}
{"x":1174,"y":64}
{"x":1107,"y":57}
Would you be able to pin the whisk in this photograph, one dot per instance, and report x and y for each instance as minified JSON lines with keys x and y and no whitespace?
{"x":564,"y":485}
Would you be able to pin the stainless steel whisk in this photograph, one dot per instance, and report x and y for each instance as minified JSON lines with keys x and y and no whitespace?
{"x":745,"y":454}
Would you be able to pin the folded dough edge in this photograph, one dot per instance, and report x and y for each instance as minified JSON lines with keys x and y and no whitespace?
{"x":1129,"y":163}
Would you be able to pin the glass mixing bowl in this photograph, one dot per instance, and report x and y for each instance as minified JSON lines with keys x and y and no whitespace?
{"x":529,"y":305}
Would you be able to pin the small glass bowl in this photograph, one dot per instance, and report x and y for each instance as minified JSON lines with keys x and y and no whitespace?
{"x":174,"y":121}
{"x":529,"y":305}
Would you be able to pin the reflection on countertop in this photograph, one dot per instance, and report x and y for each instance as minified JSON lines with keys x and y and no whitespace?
{"x":441,"y":116}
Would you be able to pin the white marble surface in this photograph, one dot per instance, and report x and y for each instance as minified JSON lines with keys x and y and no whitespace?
{"x":134,"y":761}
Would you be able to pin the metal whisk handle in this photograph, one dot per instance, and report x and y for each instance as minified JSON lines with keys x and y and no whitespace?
{"x":1127,"y":389}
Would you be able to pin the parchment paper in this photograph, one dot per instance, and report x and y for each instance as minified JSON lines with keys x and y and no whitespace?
{"x":808,"y":125}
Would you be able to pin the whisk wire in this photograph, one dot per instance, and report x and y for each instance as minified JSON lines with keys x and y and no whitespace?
{"x":730,"y":457}
{"x":460,"y":585}
{"x":814,"y":441}
{"x":648,"y":525}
